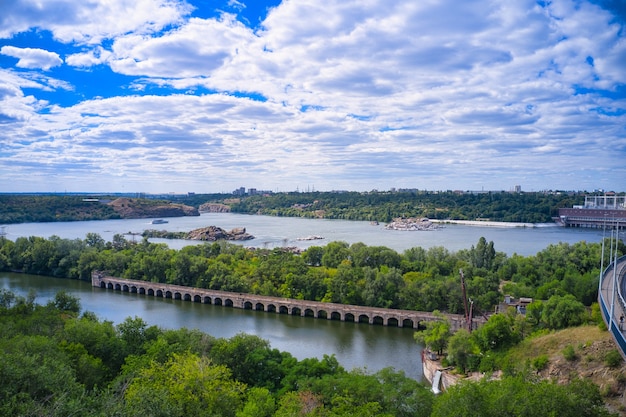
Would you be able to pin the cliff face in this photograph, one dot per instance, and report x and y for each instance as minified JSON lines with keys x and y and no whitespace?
{"x":130,"y":208}
{"x":214,"y":208}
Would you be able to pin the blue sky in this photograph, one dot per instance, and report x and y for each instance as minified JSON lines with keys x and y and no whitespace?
{"x":206,"y":96}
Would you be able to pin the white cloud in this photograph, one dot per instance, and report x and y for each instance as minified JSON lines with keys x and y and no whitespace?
{"x":96,"y":56}
{"x":90,"y":21}
{"x":195,"y":49}
{"x":32,"y":58}
{"x":359,"y":95}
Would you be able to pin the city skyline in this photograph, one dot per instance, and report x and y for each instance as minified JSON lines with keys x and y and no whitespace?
{"x":163,"y":96}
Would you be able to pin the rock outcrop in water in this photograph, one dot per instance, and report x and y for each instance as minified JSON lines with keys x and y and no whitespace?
{"x":209,"y":234}
{"x":412,"y":224}
{"x":213,"y":233}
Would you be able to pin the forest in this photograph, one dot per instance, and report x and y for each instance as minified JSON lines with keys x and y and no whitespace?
{"x":113,"y":369}
{"x":58,"y":360}
{"x":23,"y":208}
{"x":531,"y":207}
{"x":376,"y":276}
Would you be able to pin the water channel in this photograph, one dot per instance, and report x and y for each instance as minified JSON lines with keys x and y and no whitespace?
{"x":355,"y":345}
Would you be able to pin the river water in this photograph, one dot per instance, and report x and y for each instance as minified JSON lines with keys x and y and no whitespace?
{"x":272,"y":232}
{"x":355,"y":345}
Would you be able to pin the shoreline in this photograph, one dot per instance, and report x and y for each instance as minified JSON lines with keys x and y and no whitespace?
{"x":482,"y":223}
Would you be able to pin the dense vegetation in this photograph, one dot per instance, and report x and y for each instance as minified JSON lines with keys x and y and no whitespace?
{"x":22,"y":208}
{"x":418,"y":279}
{"x":57,"y":362}
{"x":385,"y":206}
{"x":372,"y":206}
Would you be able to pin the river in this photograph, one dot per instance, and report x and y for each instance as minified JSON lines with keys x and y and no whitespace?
{"x":355,"y":345}
{"x":272,"y":232}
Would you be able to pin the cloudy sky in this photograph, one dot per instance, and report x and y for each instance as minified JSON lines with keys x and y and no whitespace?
{"x":210,"y":95}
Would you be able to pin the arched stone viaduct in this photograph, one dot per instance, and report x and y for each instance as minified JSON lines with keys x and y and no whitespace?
{"x":304,"y":308}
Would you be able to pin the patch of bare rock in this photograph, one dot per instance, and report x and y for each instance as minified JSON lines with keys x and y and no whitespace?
{"x":213,"y":233}
{"x":412,"y":224}
{"x":131,"y":208}
{"x":214,"y":208}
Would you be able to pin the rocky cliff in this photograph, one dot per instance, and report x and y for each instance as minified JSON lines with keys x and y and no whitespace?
{"x":214,"y":208}
{"x":131,"y":208}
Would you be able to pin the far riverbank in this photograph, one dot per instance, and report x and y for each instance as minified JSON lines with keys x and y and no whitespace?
{"x":481,"y":223}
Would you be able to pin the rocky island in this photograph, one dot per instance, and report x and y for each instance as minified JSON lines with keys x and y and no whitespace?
{"x":209,"y":234}
{"x":412,"y":223}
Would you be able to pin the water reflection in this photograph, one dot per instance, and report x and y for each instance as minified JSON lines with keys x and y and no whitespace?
{"x":355,"y":345}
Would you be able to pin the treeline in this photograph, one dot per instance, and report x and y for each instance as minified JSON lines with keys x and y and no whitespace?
{"x":372,"y":206}
{"x":58,"y":362}
{"x":18,"y":208}
{"x":417,"y":279}
{"x":385,"y":206}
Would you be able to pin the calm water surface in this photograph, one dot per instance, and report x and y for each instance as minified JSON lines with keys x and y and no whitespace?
{"x":286,"y":231}
{"x":355,"y":345}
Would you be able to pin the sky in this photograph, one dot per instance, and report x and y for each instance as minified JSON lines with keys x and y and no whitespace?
{"x":204,"y":96}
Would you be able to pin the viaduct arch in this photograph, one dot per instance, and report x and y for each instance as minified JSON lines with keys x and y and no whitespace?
{"x":304,"y":308}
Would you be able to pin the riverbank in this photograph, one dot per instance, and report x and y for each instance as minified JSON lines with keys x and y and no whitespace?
{"x":481,"y":223}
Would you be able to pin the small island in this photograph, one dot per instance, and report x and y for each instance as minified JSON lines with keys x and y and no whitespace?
{"x":312,"y":237}
{"x":209,"y":234}
{"x":412,"y":223}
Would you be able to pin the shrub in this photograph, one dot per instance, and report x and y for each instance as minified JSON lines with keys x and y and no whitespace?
{"x":613,"y":359}
{"x":569,"y":353}
{"x":541,"y":362}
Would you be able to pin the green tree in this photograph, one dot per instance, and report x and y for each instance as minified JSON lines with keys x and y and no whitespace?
{"x":313,"y":255}
{"x":186,"y":385}
{"x":259,"y":403}
{"x":66,"y":302}
{"x":462,"y":348}
{"x":251,"y":360}
{"x":334,"y":254}
{"x":37,"y":378}
{"x":134,"y":333}
{"x":436,"y":335}
{"x":518,"y":396}
{"x":560,"y":312}
{"x":497,"y":333}
{"x":94,"y":240}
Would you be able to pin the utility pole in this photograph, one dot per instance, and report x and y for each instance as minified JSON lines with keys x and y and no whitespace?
{"x":468,"y":311}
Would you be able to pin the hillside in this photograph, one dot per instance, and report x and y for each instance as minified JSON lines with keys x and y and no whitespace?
{"x":133,"y":208}
{"x":16,"y":208}
{"x":592,"y":349}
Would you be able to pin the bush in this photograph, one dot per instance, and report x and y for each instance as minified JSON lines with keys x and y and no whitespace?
{"x":541,"y":362}
{"x":613,"y":359}
{"x":569,"y":353}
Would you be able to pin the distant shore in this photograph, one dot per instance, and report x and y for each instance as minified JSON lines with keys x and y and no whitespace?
{"x":482,"y":223}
